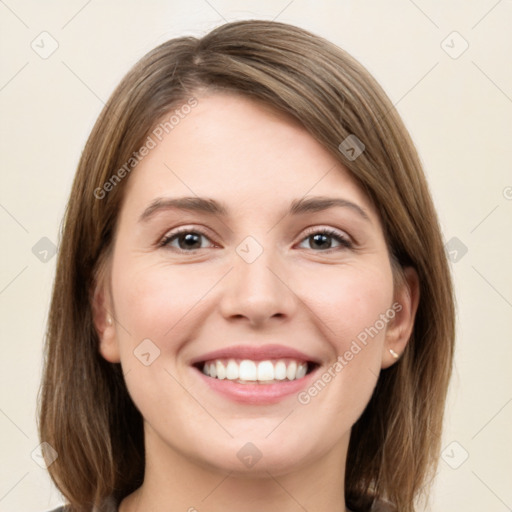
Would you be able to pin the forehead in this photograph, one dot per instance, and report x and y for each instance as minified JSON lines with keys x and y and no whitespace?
{"x":242,"y":150}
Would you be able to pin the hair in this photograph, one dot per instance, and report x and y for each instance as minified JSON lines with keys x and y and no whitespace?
{"x":85,"y":411}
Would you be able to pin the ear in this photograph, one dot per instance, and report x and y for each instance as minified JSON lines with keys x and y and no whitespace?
{"x":399,"y":329}
{"x":104,"y":321}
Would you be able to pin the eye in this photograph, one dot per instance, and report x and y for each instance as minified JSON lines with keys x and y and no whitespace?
{"x":322,"y":239}
{"x":188,"y":240}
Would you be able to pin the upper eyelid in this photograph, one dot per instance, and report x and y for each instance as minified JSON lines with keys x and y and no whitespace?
{"x":314,"y":229}
{"x":178,"y":231}
{"x":309,"y":231}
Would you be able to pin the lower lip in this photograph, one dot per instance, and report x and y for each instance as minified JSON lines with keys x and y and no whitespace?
{"x":256,"y":394}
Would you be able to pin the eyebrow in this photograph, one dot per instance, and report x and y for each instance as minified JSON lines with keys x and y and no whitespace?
{"x":213,"y":207}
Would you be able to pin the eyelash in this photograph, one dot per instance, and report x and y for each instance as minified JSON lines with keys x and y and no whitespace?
{"x":344,"y":242}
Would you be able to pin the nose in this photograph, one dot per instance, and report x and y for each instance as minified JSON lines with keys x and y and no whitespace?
{"x":257,"y":292}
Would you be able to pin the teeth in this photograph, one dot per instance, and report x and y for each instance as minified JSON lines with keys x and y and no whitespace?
{"x":265,"y":371}
{"x":252,"y":371}
{"x":301,"y":371}
{"x":291,"y":371}
{"x":220,"y":370}
{"x":280,"y":370}
{"x":232,"y":371}
{"x":247,"y":370}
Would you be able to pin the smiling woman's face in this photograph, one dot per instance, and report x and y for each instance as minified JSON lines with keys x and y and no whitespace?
{"x":251,"y":275}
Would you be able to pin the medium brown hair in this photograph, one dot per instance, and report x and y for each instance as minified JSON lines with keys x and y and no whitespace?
{"x":86,"y":413}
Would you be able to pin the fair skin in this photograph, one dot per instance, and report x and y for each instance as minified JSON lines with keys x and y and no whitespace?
{"x":316,"y":297}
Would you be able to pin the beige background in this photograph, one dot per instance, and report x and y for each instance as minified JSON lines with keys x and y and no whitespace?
{"x":458,"y":110}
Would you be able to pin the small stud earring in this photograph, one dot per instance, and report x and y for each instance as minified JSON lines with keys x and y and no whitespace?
{"x":393,"y":353}
{"x":109,"y":320}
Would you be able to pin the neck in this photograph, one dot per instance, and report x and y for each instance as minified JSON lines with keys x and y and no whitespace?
{"x":175,"y":482}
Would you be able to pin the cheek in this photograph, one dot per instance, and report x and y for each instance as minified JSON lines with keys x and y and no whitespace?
{"x":158,"y":302}
{"x":349,"y":301}
{"x":156,"y":299}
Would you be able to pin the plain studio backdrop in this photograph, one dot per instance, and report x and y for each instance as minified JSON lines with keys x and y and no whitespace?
{"x":445,"y":65}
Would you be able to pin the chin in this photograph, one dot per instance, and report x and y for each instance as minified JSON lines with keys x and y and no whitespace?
{"x":258,"y":457}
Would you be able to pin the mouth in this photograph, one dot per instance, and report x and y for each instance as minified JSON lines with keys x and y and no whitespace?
{"x":260,"y":372}
{"x":255,"y":375}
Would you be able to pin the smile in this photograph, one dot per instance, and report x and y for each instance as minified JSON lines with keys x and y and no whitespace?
{"x":264,"y":372}
{"x":255,"y":374}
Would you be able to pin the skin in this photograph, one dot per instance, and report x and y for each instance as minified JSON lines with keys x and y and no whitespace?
{"x":314,"y":297}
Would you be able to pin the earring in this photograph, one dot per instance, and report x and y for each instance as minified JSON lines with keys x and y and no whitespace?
{"x":393,"y":353}
{"x":109,"y":320}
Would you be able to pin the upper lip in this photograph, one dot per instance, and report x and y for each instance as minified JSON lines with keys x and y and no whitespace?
{"x":255,"y":353}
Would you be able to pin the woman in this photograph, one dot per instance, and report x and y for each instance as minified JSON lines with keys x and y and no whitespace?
{"x":252,"y":308}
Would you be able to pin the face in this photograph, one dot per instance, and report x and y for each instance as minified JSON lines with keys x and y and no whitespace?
{"x":276,"y":265}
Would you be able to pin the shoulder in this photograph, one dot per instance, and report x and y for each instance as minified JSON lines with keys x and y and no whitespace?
{"x":383,"y":506}
{"x":108,"y":505}
{"x":378,"y":506}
